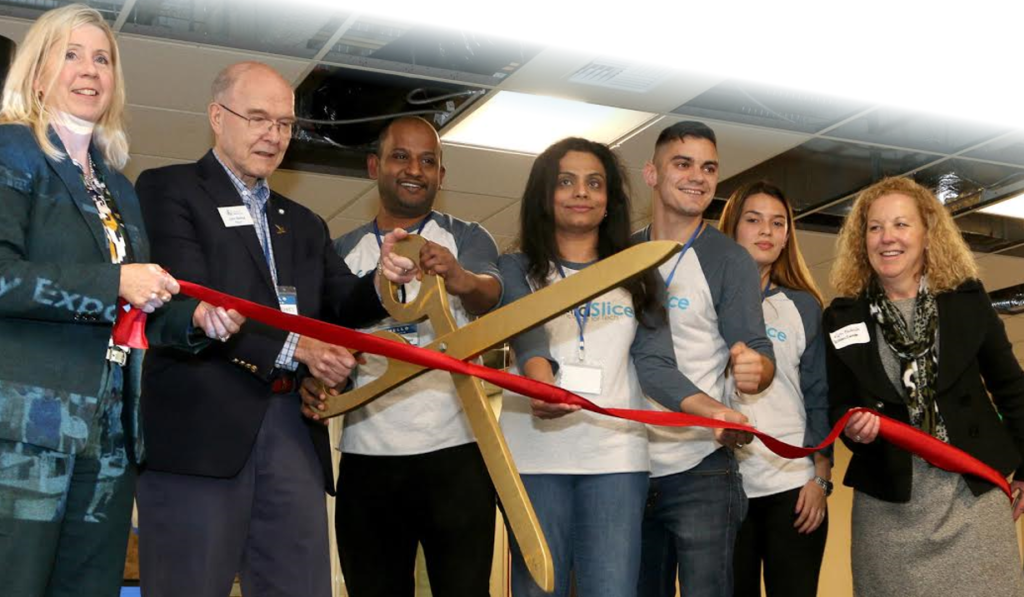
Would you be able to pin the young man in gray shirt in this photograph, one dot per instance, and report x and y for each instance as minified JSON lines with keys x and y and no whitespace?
{"x":696,"y":501}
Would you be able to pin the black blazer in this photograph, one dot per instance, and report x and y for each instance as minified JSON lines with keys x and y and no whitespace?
{"x":201,"y":412}
{"x":58,"y":297}
{"x":973,"y":349}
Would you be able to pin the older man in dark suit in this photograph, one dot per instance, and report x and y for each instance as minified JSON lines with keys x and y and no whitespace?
{"x":236,"y":476}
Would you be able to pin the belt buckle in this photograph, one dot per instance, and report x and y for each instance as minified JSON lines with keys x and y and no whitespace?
{"x":117,"y":355}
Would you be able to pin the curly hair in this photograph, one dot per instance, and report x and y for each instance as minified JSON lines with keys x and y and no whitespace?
{"x":948,"y":260}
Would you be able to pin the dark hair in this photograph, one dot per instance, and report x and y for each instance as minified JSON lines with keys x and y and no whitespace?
{"x":537,"y":221}
{"x":686,"y":128}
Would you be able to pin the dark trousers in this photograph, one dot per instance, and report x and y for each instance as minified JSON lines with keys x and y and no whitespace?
{"x":387,"y":504}
{"x":792,"y":561}
{"x":64,"y":518}
{"x":268,"y":522}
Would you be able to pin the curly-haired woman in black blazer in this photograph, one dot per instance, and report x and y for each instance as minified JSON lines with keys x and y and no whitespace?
{"x":914,"y":336}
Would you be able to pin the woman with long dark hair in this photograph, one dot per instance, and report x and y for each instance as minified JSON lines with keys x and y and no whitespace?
{"x":786,"y":524}
{"x":587,"y":475}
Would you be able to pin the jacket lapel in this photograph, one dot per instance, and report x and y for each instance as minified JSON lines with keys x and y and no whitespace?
{"x":282,"y":238}
{"x":222,"y":192}
{"x":72,"y":179}
{"x":863,"y":359}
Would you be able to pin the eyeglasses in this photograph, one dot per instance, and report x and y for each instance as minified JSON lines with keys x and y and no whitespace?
{"x":264,"y":125}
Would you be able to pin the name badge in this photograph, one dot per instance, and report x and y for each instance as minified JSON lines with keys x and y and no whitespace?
{"x":288,"y":299}
{"x":236,"y":215}
{"x":856,"y":333}
{"x":580,"y":379}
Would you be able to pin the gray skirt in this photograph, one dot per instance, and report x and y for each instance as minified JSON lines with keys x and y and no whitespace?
{"x":944,"y":542}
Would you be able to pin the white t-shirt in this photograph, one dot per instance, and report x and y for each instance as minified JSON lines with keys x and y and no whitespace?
{"x":424,"y":414}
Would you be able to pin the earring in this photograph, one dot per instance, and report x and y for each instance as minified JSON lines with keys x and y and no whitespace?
{"x":606,"y":213}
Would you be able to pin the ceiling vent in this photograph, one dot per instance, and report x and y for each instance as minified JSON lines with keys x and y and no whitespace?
{"x":613,"y":74}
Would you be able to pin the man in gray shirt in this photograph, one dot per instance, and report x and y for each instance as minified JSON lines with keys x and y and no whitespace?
{"x":411,"y":471}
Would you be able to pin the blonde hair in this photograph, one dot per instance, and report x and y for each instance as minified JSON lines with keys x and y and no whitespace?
{"x":47,"y":37}
{"x":948,"y":260}
{"x":789,"y":270}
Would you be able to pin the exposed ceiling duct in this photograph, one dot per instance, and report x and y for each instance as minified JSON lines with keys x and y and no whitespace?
{"x":1009,"y":300}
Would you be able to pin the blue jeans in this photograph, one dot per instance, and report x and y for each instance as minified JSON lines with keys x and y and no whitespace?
{"x":592,"y":525}
{"x":690,"y":525}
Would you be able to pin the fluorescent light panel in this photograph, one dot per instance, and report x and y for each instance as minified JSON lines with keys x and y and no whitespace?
{"x":530,"y":123}
{"x":949,"y":59}
{"x":1009,"y":208}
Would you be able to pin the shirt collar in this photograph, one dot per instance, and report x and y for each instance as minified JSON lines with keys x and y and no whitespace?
{"x":260,"y":191}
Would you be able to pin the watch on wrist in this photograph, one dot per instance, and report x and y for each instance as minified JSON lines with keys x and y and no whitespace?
{"x":824,"y":484}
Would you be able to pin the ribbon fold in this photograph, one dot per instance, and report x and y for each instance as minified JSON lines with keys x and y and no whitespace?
{"x":130,"y":325}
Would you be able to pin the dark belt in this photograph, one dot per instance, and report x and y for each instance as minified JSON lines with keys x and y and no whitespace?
{"x":284,"y":383}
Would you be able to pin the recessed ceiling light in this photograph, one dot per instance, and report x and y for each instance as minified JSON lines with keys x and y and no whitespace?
{"x":530,"y":123}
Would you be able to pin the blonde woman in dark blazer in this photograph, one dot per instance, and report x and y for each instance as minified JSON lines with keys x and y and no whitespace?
{"x":71,"y":244}
{"x":914,"y":336}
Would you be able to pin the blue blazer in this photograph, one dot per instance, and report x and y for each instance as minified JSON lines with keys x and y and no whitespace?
{"x":58,"y":295}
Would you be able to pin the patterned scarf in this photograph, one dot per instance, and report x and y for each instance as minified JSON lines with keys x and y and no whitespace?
{"x":916,"y":348}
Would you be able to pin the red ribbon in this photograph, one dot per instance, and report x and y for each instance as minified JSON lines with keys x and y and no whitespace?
{"x":904,"y":436}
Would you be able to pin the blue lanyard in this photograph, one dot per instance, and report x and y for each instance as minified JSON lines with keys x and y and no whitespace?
{"x":686,"y":247}
{"x":581,"y":320}
{"x":380,"y":241}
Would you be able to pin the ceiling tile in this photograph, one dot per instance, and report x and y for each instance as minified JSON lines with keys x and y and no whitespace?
{"x":178,"y":76}
{"x":339,"y":226}
{"x":324,"y":194}
{"x":823,"y":170}
{"x":1000,"y":271}
{"x":485,"y":171}
{"x":505,"y":222}
{"x":254,"y":26}
{"x":168,"y":133}
{"x":1009,"y":149}
{"x":14,"y":29}
{"x":140,"y":163}
{"x":1014,"y":327}
{"x":549,"y":71}
{"x":817,"y":247}
{"x":739,"y":147}
{"x":465,"y":206}
{"x":913,"y":130}
{"x":954,"y":178}
{"x":764,"y":105}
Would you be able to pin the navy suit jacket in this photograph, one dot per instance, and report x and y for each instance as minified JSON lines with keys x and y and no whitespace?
{"x":201,"y":412}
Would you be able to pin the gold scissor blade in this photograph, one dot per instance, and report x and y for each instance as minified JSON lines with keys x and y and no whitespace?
{"x":551,"y":301}
{"x":498,"y":326}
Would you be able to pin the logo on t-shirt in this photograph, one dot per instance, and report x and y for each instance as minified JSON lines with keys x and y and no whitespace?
{"x":775,"y":333}
{"x":678,"y":302}
{"x":604,"y":310}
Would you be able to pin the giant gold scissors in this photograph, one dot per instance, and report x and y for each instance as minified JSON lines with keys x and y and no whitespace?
{"x":431,"y":303}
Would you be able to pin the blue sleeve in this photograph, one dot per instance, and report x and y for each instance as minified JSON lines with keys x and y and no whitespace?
{"x":534,"y":342}
{"x":655,"y":361}
{"x":813,"y":377}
